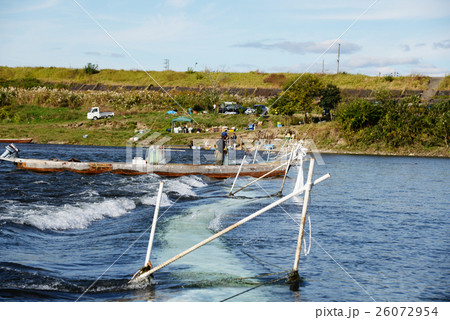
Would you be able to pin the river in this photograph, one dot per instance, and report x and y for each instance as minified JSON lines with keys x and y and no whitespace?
{"x":379,"y":232}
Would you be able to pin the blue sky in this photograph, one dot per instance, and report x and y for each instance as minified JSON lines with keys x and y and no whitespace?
{"x":404,"y":36}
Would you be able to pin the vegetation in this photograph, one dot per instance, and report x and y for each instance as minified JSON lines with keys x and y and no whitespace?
{"x":208,"y":78}
{"x":331,"y":96}
{"x":35,"y":102}
{"x":445,"y":84}
{"x":91,"y":68}
{"x":302,"y":95}
{"x":298,"y":96}
{"x":392,"y":123}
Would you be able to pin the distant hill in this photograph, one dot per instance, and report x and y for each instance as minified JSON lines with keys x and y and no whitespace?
{"x":250,"y":83}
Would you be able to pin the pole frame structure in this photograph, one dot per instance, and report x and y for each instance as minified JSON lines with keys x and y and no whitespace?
{"x":155,"y":219}
{"x":147,"y":273}
{"x":237,"y":175}
{"x":286,"y":172}
{"x":257,"y":179}
{"x":147,"y":264}
{"x":308,"y":185}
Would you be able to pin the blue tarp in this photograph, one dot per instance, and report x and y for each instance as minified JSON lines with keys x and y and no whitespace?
{"x":181,"y":119}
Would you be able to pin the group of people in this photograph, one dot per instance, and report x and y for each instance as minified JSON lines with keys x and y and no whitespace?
{"x":221,"y":146}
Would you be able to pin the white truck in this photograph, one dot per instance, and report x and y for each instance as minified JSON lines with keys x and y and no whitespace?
{"x":95,"y":114}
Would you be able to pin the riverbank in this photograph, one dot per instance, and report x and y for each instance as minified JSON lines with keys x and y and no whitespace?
{"x":321,"y":137}
{"x":57,"y":115}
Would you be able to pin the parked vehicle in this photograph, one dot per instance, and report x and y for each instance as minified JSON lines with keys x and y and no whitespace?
{"x":257,"y":109}
{"x":95,"y":114}
{"x":260,"y":109}
{"x":250,"y":111}
{"x":230,"y":108}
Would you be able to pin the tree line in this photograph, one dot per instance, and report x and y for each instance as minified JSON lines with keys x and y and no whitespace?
{"x":383,"y":120}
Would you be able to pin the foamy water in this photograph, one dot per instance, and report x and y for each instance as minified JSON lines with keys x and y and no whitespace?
{"x":91,"y":206}
{"x":67,"y":217}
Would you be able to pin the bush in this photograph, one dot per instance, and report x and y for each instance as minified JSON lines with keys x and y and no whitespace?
{"x":331,"y":96}
{"x":275,"y":78}
{"x":91,"y":68}
{"x":359,"y":114}
{"x":26,"y":83}
{"x":396,"y":123}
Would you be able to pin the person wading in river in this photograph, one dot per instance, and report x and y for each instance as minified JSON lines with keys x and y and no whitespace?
{"x":220,"y":146}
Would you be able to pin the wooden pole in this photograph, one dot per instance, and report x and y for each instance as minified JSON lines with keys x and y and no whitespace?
{"x":155,"y":219}
{"x":146,"y":274}
{"x":237,"y":175}
{"x":307,"y":189}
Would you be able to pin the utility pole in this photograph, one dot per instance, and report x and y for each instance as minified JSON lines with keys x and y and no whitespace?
{"x":339,"y":55}
{"x":166,"y":64}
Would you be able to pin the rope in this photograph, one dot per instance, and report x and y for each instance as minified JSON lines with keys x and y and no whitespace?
{"x":306,"y":251}
{"x":255,"y":287}
{"x":304,"y":242}
{"x":262,"y":262}
{"x":265,"y":275}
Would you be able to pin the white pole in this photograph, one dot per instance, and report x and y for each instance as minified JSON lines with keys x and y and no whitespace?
{"x":264,"y":175}
{"x":256,"y":152}
{"x":287,"y":169}
{"x":237,"y":175}
{"x":155,"y":219}
{"x":299,"y":183}
{"x":307,"y":189}
{"x":144,"y":275}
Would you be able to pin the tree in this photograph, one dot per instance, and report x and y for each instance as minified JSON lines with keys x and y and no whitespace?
{"x":331,"y":96}
{"x":299,"y":96}
{"x":91,"y":68}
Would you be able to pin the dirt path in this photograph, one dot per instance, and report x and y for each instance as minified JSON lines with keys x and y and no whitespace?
{"x":432,"y":88}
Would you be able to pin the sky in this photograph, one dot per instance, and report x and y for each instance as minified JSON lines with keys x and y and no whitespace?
{"x":376,"y":37}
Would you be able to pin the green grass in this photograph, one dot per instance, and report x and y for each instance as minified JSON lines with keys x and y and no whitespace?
{"x":207,"y":78}
{"x":445,"y":84}
{"x":38,"y":114}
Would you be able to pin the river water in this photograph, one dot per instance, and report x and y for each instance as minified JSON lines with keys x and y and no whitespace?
{"x":379,"y":232}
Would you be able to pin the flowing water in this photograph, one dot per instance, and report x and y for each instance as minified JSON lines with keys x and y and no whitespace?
{"x":380,"y":232}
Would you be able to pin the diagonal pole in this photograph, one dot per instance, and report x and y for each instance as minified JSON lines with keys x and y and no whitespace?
{"x":155,"y":219}
{"x":237,"y":175}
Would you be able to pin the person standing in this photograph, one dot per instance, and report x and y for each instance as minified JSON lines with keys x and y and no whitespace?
{"x":234,"y":140}
{"x":220,"y":149}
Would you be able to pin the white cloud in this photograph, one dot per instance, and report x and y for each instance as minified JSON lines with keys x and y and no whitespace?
{"x":25,"y":6}
{"x":367,"y":62}
{"x":158,"y":30}
{"x":405,"y":47}
{"x":442,"y":44}
{"x":302,"y":47}
{"x":381,"y":9}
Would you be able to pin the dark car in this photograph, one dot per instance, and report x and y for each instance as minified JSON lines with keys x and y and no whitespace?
{"x":260,"y":109}
{"x":231,"y":108}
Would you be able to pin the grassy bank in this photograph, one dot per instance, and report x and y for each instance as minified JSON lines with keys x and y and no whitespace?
{"x":207,"y":78}
{"x":58,"y":115}
{"x":327,"y":136}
